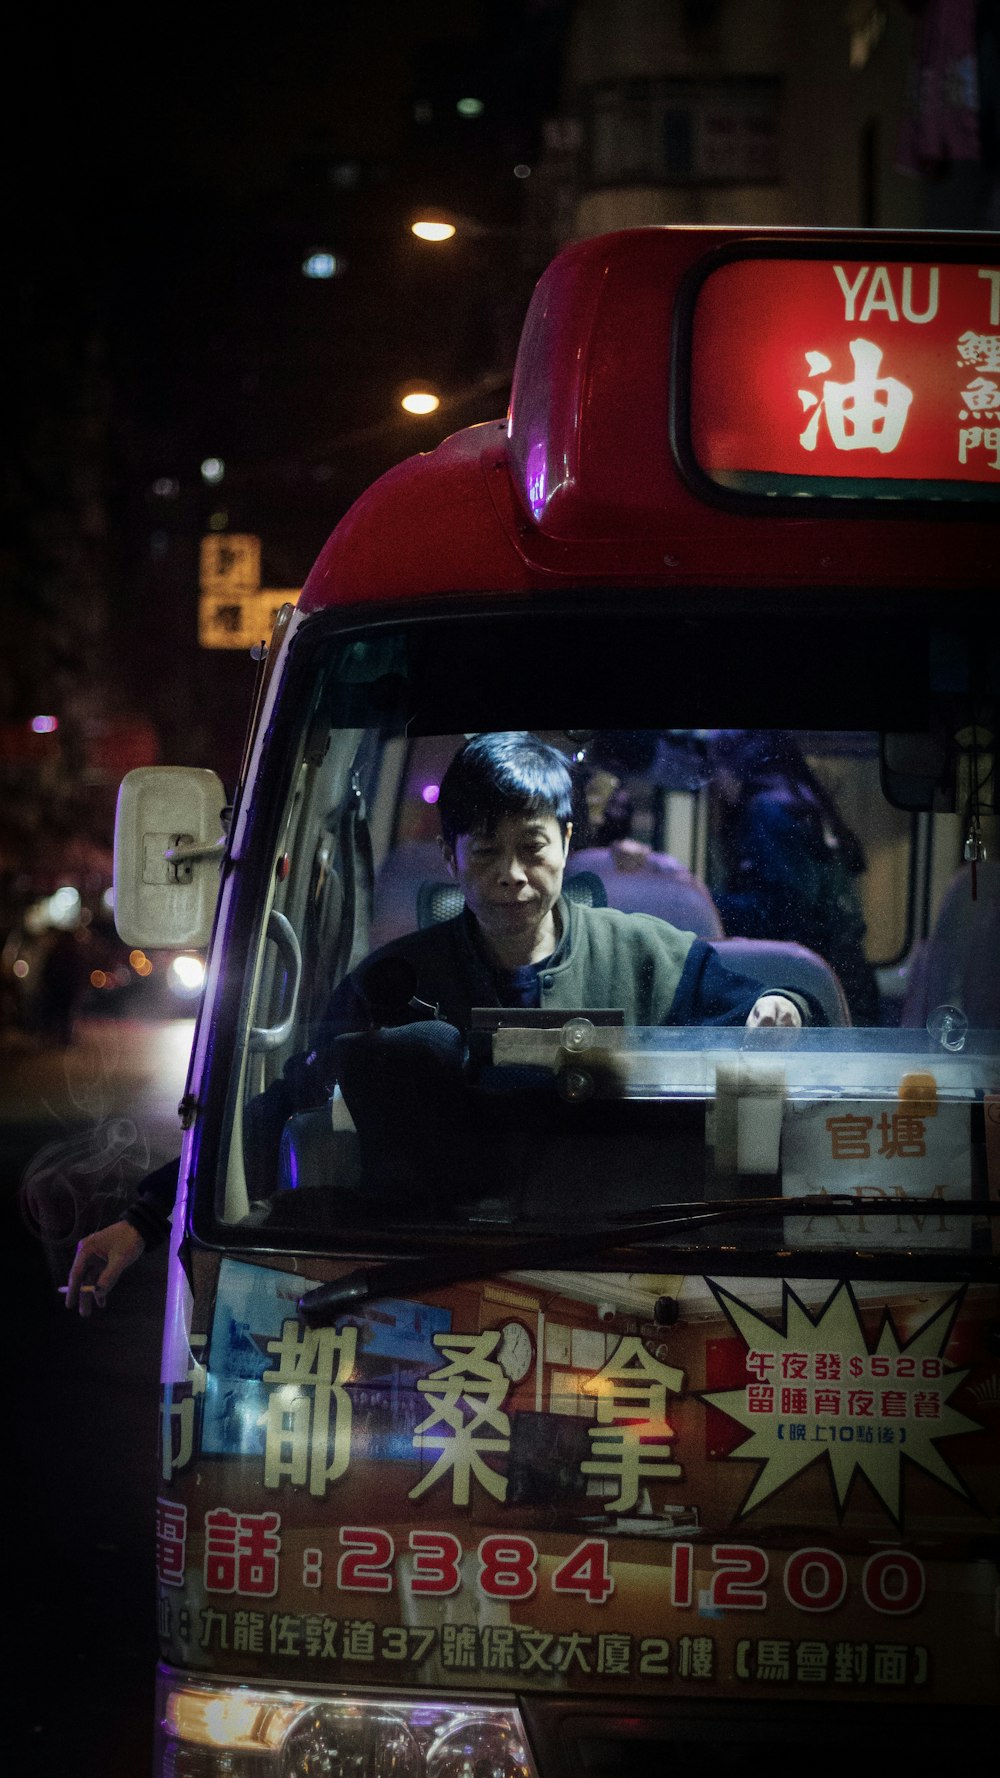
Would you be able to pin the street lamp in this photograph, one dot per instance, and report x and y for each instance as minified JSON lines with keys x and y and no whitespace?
{"x":426,"y":229}
{"x":436,"y":225}
{"x":420,"y":399}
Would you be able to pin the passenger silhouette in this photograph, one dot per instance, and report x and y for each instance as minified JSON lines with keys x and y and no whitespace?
{"x":787,"y":865}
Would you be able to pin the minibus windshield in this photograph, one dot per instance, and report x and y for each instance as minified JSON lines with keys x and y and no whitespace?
{"x":557,"y":924}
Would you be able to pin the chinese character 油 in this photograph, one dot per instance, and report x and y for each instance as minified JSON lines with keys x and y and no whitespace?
{"x":867,"y":413}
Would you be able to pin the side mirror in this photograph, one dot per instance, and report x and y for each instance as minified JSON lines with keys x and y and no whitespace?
{"x":169,"y":842}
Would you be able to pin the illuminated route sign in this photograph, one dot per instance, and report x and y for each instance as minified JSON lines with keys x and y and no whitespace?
{"x":847,"y":378}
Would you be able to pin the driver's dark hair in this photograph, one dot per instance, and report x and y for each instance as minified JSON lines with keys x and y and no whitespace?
{"x":507,"y":773}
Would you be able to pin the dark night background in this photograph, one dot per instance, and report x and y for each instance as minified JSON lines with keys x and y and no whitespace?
{"x":165,"y":175}
{"x":166,"y":184}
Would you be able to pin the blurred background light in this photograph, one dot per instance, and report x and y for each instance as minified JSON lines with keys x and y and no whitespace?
{"x":322,"y":264}
{"x":470,"y":107}
{"x":35,"y":919}
{"x":44,"y":725}
{"x":213,"y":469}
{"x":64,"y":908}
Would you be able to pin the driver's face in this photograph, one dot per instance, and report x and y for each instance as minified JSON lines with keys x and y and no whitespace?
{"x":512,"y":876}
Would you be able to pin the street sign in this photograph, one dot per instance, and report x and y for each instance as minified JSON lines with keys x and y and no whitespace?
{"x":270,"y":601}
{"x":228,"y":619}
{"x":229,"y":563}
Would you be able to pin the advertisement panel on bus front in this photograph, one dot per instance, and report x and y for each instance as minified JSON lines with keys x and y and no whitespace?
{"x":530,"y":1481}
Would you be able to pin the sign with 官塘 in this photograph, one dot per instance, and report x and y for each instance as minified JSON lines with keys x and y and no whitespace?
{"x":893,"y":1154}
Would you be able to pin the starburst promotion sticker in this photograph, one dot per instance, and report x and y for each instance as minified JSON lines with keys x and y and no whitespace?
{"x":817,"y":1392}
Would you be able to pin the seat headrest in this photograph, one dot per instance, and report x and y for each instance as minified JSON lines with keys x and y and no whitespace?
{"x":778,"y":963}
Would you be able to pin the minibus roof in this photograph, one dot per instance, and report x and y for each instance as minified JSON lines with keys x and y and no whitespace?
{"x":718,"y":407}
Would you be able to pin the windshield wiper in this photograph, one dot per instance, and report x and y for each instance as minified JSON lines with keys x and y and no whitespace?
{"x":455,"y":1263}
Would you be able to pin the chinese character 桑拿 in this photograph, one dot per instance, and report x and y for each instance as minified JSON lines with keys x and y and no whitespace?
{"x":466,"y":1395}
{"x":631,"y":1440}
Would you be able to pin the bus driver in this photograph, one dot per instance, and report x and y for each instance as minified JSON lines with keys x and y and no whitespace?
{"x":504,"y":807}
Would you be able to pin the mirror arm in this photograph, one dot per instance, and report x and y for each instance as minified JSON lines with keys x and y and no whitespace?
{"x":191,"y":850}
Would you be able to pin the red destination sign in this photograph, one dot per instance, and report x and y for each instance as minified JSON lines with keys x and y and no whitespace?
{"x":863,"y":372}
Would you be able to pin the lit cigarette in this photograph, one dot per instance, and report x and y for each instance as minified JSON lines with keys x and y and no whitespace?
{"x":64,"y":1289}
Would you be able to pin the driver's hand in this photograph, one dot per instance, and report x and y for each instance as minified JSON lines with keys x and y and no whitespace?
{"x":100,"y":1260}
{"x":773,"y":1009}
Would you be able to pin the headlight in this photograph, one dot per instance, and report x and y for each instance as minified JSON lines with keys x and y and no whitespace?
{"x":487,"y":1744}
{"x":206,"y":1729}
{"x":186,"y":974}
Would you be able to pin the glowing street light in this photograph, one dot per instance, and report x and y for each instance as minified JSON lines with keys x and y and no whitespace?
{"x":426,"y":230}
{"x":443,"y":225}
{"x":420,"y":401}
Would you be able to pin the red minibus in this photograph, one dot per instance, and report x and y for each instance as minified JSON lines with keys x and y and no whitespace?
{"x":622,"y":1392}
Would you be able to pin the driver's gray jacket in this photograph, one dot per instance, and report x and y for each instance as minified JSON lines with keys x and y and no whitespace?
{"x":632,"y":963}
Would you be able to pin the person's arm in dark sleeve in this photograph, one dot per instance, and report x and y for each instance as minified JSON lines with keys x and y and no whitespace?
{"x":102,"y":1257}
{"x":710,"y":994}
{"x":149,"y":1214}
{"x":346,"y":1010}
{"x":383,"y":991}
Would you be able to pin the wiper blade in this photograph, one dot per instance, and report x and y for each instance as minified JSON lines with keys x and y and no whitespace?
{"x":455,"y":1264}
